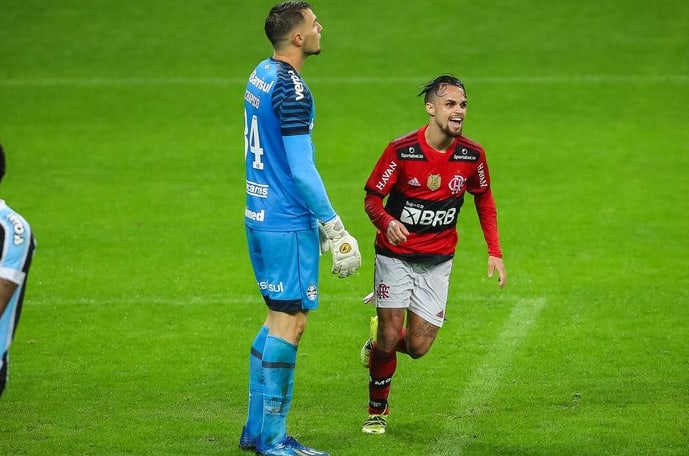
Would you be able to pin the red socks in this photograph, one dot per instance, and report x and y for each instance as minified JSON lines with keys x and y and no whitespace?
{"x":381,"y":368}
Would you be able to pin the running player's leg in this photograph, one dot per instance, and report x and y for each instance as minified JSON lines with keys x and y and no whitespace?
{"x":418,"y":337}
{"x":383,"y":362}
{"x":427,"y":307}
{"x":392,"y":285}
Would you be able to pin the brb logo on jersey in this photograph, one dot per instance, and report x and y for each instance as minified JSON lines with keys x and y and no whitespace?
{"x":417,"y":214}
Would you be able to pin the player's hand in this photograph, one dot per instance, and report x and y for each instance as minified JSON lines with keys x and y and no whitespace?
{"x":344,"y":248}
{"x":496,"y":264}
{"x":396,"y":232}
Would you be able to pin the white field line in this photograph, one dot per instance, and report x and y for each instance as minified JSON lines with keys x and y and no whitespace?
{"x":488,"y":376}
{"x":471,"y":401}
{"x":139,"y":301}
{"x":324,"y":300}
{"x":354,"y":80}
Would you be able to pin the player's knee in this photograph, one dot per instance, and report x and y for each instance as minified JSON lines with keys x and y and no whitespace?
{"x":417,"y":353}
{"x":416,"y":350}
{"x":388,"y":338}
{"x":300,"y":327}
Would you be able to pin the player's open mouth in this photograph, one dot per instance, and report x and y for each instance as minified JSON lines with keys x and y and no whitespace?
{"x":456,"y":121}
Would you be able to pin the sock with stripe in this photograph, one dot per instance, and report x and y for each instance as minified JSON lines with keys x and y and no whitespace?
{"x":254,"y":422}
{"x":279,"y":359}
{"x":382,"y":367}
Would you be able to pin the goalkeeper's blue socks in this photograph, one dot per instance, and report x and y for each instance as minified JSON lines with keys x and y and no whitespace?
{"x":279,"y":358}
{"x":254,"y":422}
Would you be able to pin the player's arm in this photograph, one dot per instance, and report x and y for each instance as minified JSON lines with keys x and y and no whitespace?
{"x":299,"y":150}
{"x":479,"y":186}
{"x":394,"y":230}
{"x":488,"y":218}
{"x":344,"y":247}
{"x":294,"y":115}
{"x":378,"y":186}
{"x":294,"y":111}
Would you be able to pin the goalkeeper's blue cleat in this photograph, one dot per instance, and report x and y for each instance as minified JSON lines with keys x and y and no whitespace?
{"x":368,"y":346}
{"x":290,"y":447}
{"x":246,"y":442}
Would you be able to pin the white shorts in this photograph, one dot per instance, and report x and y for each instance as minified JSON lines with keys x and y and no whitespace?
{"x":421,"y":288}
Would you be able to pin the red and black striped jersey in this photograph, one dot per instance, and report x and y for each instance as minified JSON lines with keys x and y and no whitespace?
{"x":425,"y":190}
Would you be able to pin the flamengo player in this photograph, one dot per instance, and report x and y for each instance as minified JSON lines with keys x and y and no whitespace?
{"x":424,"y":175}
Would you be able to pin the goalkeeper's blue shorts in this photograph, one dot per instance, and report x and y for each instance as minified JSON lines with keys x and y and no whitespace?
{"x":286,"y":267}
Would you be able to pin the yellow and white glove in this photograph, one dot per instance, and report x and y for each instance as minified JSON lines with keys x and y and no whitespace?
{"x":344,"y":248}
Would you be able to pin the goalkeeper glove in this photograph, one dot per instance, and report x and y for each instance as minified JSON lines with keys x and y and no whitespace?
{"x":323,"y":240}
{"x":345,"y":249}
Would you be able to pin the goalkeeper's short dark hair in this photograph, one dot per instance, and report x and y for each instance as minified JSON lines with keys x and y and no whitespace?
{"x":282,"y":18}
{"x":434,"y":86}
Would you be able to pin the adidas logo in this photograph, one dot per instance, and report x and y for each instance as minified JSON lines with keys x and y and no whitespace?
{"x":414,"y":182}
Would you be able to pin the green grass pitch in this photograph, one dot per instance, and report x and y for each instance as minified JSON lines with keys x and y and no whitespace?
{"x":123,"y":127}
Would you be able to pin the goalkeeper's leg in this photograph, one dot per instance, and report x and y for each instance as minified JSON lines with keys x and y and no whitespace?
{"x":254,"y":422}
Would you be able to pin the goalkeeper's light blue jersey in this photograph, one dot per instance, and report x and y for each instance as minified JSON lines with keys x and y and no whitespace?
{"x":284,"y":191}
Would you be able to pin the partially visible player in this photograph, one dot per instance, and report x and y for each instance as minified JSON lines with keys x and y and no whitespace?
{"x":424,"y":175}
{"x":286,"y":204}
{"x":18,"y":246}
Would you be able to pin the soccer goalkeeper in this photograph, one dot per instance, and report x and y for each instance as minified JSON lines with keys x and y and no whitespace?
{"x":423,"y":176}
{"x":286,"y":203}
